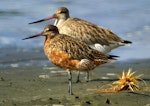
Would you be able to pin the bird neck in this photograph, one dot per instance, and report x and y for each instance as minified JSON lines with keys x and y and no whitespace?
{"x":59,"y":21}
{"x":48,"y":40}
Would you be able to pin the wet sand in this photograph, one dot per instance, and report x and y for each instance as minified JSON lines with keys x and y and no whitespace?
{"x":46,"y":85}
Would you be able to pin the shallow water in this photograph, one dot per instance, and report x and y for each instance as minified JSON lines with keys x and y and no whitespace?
{"x":129,"y":19}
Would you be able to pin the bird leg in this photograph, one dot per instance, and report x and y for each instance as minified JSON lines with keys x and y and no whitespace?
{"x":70,"y":81}
{"x":87,"y":77}
{"x":78,"y":77}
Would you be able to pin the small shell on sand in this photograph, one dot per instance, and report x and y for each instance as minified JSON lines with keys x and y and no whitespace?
{"x":44,"y":76}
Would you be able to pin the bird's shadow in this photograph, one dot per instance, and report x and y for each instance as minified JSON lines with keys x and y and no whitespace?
{"x":138,"y":93}
{"x":98,"y":79}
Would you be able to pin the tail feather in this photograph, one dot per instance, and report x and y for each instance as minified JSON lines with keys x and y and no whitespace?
{"x":110,"y":59}
{"x":113,"y":57}
{"x":127,"y":42}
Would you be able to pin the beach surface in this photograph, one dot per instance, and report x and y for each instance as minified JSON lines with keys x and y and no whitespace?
{"x":47,"y":85}
{"x":27,"y":78}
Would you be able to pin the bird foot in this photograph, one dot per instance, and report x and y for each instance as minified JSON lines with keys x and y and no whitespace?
{"x":78,"y":81}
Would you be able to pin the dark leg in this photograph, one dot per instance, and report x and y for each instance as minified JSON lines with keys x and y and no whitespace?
{"x":70,"y":81}
{"x":87,"y":77}
{"x":78,"y":77}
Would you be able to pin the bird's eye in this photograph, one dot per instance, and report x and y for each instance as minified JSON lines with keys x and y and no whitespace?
{"x":49,"y":29}
{"x":62,"y":12}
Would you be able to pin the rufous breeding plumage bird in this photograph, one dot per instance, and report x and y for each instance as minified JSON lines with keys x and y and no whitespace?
{"x":69,"y":53}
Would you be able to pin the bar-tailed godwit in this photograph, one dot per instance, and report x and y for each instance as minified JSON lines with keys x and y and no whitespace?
{"x":70,"y":54}
{"x":99,"y":38}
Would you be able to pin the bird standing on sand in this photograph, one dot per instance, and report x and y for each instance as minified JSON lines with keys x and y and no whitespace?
{"x":101,"y":39}
{"x":70,"y":54}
